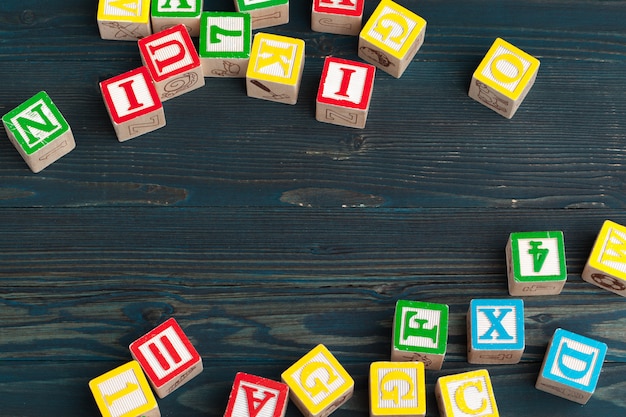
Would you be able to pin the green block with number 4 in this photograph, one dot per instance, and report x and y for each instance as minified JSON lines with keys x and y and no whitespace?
{"x":225,"y":43}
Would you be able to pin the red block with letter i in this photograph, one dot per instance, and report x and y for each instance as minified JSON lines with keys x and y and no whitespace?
{"x":254,"y":396}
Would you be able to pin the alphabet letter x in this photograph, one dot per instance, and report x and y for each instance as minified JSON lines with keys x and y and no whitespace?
{"x":496,"y":323}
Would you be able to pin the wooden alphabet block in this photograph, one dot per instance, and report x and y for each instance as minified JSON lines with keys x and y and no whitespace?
{"x":571,"y":366}
{"x":253,"y":396}
{"x":133,"y":104}
{"x":391,"y":37}
{"x":397,"y":389}
{"x":341,"y":17}
{"x":265,"y":13}
{"x":168,"y":13}
{"x":39,"y":131}
{"x":275,"y":69}
{"x":173,"y":62}
{"x":124,"y":20}
{"x":345,"y":92}
{"x":225,"y":44}
{"x":167,"y":357}
{"x":495,"y":331}
{"x":504,"y":78}
{"x":124,"y":392}
{"x":536,"y":263}
{"x":606,"y":266}
{"x":420,"y":333}
{"x":466,"y":394}
{"x":318,"y":384}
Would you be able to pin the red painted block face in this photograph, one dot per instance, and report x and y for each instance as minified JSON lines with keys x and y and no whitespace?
{"x":346,"y":83}
{"x":340,"y":7}
{"x":130,"y":95}
{"x":253,"y":396}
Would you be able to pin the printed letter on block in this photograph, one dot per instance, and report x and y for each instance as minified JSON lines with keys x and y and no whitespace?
{"x":397,"y":389}
{"x":124,"y":392}
{"x":265,"y":13}
{"x":341,"y":17}
{"x":345,"y":92}
{"x":225,"y":44}
{"x":275,"y":69}
{"x":571,"y":366}
{"x":173,"y":62}
{"x":536,"y":263}
{"x":133,"y":104}
{"x":495,"y":331}
{"x":606,"y":266}
{"x":39,"y":131}
{"x":253,"y":396}
{"x":391,"y":37}
{"x":420,"y":333}
{"x":318,"y":384}
{"x":503,"y":78}
{"x":167,"y":357}
{"x":168,"y":13}
{"x":469,"y":394}
{"x":124,"y":20}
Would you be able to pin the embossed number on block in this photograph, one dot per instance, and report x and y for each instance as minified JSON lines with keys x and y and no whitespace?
{"x":606,"y":266}
{"x":342,"y":17}
{"x":225,"y":44}
{"x":168,"y":13}
{"x":253,"y":396}
{"x":124,"y":20}
{"x":397,"y":389}
{"x":468,"y":394}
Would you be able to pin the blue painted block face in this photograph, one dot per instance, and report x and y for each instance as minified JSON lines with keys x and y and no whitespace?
{"x":497,"y":324}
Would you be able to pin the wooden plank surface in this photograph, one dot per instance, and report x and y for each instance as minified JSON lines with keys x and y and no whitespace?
{"x":265,"y":232}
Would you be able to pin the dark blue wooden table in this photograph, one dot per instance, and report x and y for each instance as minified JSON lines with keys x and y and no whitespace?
{"x":265,"y":232}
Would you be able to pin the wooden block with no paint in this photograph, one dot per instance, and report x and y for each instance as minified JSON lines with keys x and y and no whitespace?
{"x":341,"y":17}
{"x":124,"y":20}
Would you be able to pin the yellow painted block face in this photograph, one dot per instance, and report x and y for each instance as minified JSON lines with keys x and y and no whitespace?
{"x":276,"y":58}
{"x":507,"y":69}
{"x":135,"y":11}
{"x":123,"y":392}
{"x":397,"y":389}
{"x":392,"y":28}
{"x":609,"y":251}
{"x":469,"y":394}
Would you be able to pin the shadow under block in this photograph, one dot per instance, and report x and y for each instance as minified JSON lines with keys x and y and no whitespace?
{"x":504,"y":78}
{"x":168,"y":13}
{"x":466,"y":394}
{"x":124,"y":20}
{"x":495,"y":331}
{"x":318,"y":384}
{"x":345,"y":92}
{"x":341,"y":17}
{"x":536,"y":263}
{"x":167,"y":357}
{"x":397,"y":389}
{"x":124,"y":392}
{"x":571,"y":366}
{"x":254,"y":396}
{"x":172,"y":61}
{"x":420,"y":333}
{"x":391,"y":37}
{"x":275,"y":69}
{"x":225,"y":44}
{"x":606,"y":265}
{"x":39,"y":132}
{"x":133,"y":104}
{"x":264,"y":13}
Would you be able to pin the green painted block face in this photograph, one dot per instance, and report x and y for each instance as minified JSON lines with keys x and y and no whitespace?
{"x":420,"y":327}
{"x":538,"y":256}
{"x":225,"y":35}
{"x":248,"y":5}
{"x":176,"y":8}
{"x":36,"y":123}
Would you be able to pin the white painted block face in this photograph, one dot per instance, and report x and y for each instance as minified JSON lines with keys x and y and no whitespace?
{"x":533,"y":265}
{"x":127,"y":8}
{"x":131,"y":95}
{"x":345,"y":82}
{"x":506,"y":68}
{"x":169,"y":54}
{"x":392,"y":29}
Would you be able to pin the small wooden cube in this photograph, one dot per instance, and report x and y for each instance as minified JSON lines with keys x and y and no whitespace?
{"x":571,"y":366}
{"x":124,"y":392}
{"x":275,"y":69}
{"x":265,"y":13}
{"x":133,"y":104}
{"x":124,"y":20}
{"x":341,"y":17}
{"x":318,"y":384}
{"x":606,"y":265}
{"x":420,"y":333}
{"x":495,"y":331}
{"x":168,"y":13}
{"x":391,"y":37}
{"x":397,"y":389}
{"x":466,"y":394}
{"x":254,"y":396}
{"x":504,"y":78}
{"x":167,"y":357}
{"x":173,"y":62}
{"x":225,"y":44}
{"x":39,"y":132}
{"x":536,"y":263}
